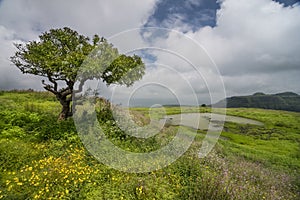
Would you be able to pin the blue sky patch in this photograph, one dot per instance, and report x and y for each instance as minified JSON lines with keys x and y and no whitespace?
{"x":192,"y":13}
{"x":288,"y":2}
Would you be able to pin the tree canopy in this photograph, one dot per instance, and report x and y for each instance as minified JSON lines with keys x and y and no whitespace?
{"x":61,"y":54}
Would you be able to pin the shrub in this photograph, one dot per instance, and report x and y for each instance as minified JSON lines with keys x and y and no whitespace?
{"x":50,"y":128}
{"x":13,"y":132}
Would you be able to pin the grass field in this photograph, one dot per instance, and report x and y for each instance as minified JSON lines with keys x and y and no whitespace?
{"x":41,"y":158}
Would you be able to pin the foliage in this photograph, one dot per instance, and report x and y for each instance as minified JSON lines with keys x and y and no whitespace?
{"x":245,"y":164}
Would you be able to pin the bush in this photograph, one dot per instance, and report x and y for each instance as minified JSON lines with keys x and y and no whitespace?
{"x":50,"y":128}
{"x":13,"y":132}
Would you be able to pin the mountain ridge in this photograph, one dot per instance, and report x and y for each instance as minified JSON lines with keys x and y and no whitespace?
{"x":288,"y":101}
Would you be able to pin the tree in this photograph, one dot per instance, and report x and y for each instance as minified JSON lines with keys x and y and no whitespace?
{"x":59,"y":54}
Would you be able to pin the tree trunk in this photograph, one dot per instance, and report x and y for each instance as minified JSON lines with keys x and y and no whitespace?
{"x":66,"y":110}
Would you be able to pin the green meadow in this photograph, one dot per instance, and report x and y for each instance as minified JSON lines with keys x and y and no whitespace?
{"x":42,"y":158}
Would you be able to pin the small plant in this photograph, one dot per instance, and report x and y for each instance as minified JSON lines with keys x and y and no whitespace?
{"x":50,"y":178}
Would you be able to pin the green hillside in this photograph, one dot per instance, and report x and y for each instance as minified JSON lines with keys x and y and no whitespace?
{"x":283,"y":101}
{"x":42,"y":158}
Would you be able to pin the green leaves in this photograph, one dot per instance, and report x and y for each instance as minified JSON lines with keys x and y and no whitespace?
{"x":124,"y":70}
{"x":60,"y":53}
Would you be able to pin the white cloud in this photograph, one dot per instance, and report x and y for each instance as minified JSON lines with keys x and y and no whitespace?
{"x":255,"y":44}
{"x":182,"y":67}
{"x":258,"y":36}
{"x":104,"y":17}
{"x":25,"y":20}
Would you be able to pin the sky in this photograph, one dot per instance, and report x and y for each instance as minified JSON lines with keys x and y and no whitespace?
{"x":200,"y":51}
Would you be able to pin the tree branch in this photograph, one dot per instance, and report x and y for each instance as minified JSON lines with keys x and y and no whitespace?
{"x":52,"y":81}
{"x":49,"y":88}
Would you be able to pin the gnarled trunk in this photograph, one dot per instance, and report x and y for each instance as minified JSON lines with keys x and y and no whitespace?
{"x":66,"y":109}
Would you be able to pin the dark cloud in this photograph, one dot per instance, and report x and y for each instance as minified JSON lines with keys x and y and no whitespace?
{"x":193,"y":13}
{"x":287,"y":2}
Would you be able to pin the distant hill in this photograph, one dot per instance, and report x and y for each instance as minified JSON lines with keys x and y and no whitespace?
{"x":282,"y":101}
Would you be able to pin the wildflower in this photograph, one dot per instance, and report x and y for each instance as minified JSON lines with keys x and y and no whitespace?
{"x":9,"y":188}
{"x":139,"y":189}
